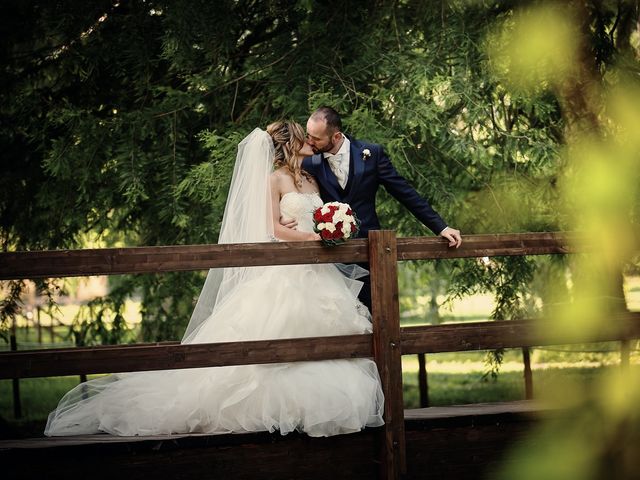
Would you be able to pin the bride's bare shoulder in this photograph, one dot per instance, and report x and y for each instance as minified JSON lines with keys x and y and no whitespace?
{"x":281,"y":180}
{"x":281,"y":176}
{"x":278,"y":172}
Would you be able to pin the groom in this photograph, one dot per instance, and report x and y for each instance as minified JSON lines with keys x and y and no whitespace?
{"x":350,"y":171}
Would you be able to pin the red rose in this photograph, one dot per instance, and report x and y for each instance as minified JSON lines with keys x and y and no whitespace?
{"x":349,"y":212}
{"x":339,"y":226}
{"x":326,"y":234}
{"x":353,"y":227}
{"x":336,"y":235}
{"x":328,"y":217}
{"x":317,"y":216}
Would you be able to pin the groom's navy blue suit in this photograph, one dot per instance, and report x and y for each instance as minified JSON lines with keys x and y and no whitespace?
{"x":366,"y":174}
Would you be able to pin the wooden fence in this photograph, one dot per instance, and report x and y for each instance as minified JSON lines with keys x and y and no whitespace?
{"x":386,"y":344}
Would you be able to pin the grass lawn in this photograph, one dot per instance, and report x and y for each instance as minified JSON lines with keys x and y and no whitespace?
{"x":462,"y":388}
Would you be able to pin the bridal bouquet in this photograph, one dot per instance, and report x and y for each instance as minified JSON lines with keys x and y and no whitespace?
{"x":335,"y":222}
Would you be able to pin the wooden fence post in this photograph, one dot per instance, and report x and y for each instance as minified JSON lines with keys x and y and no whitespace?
{"x":423,"y":385}
{"x":528,"y":375}
{"x":383,"y":258}
{"x":39,"y":324}
{"x":15,"y":383}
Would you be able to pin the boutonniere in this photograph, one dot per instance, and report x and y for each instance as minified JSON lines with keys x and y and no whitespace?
{"x":366,"y":153}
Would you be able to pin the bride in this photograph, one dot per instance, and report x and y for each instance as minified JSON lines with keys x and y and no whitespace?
{"x":250,"y":303}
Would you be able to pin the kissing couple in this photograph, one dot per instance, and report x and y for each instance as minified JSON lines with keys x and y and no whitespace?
{"x":280,"y":177}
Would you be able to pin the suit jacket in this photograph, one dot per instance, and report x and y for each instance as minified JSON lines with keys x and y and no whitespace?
{"x":365,"y":176}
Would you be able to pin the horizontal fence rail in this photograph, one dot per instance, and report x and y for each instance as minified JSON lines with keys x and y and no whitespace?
{"x":456,"y":337}
{"x":541,"y":243}
{"x":468,"y":336}
{"x":131,"y":358}
{"x":116,"y":261}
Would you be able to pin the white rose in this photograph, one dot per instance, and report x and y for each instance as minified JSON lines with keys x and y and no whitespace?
{"x":330,"y":227}
{"x":339,"y":216}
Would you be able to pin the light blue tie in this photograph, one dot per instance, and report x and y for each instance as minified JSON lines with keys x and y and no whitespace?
{"x":337,"y":167}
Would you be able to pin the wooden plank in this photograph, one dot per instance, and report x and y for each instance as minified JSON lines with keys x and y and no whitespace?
{"x":252,"y":456}
{"x":73,"y":361}
{"x":386,"y":347}
{"x":422,"y":339}
{"x":120,"y":347}
{"x":528,"y":407}
{"x":464,"y":450}
{"x":113,"y":261}
{"x":510,"y":334}
{"x":537,"y":243}
{"x":412,"y":416}
{"x":441,"y":441}
{"x":468,"y":441}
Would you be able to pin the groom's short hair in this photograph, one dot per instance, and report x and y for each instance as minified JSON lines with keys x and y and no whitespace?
{"x":334,"y":122}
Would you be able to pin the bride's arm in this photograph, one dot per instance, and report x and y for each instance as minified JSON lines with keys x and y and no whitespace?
{"x":280,"y":231}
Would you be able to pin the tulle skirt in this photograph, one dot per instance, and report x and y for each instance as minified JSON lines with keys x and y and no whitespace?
{"x":319,"y":398}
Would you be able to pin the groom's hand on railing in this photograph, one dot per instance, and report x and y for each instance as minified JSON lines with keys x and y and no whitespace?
{"x":453,"y":235}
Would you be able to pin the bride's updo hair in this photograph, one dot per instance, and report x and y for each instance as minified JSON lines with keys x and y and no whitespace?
{"x":288,"y":139}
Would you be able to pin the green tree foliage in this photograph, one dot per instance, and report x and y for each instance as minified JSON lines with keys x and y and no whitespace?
{"x":119,"y":120}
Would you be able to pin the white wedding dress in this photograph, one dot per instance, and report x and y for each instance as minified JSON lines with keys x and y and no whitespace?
{"x":319,"y":398}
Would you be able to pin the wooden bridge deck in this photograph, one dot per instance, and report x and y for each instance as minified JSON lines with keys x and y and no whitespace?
{"x":460,"y":442}
{"x":455,"y":442}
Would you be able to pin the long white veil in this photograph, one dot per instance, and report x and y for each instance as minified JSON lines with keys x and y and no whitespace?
{"x":247,"y":219}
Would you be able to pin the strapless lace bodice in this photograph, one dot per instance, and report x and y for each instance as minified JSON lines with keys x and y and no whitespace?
{"x":300,"y":206}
